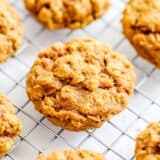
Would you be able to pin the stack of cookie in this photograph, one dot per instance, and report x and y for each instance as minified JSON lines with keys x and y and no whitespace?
{"x":80,"y":84}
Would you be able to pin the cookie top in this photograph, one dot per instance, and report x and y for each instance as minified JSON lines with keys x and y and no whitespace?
{"x":66,"y":13}
{"x":11,"y":31}
{"x":72,"y":155}
{"x":141,"y":25}
{"x":148,"y":143}
{"x":142,"y":16}
{"x":10,"y":126}
{"x":80,"y":84}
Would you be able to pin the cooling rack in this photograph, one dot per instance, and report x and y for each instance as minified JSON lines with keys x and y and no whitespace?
{"x":116,"y":139}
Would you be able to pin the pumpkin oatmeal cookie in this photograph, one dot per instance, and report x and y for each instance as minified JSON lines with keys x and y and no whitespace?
{"x":11,"y":31}
{"x":141,"y":25}
{"x":80,"y":84}
{"x":10,"y":126}
{"x":66,"y":13}
{"x":72,"y":155}
{"x":148,"y":143}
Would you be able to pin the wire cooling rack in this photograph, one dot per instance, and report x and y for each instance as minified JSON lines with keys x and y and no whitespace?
{"x":116,"y":138}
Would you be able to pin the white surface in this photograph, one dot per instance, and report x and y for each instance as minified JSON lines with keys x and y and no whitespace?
{"x":116,"y":138}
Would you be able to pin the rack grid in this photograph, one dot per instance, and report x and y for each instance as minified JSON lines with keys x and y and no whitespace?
{"x":116,"y":139}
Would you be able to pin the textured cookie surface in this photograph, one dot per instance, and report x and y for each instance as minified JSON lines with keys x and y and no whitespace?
{"x":66,"y":13}
{"x":72,"y":155}
{"x":11,"y":31}
{"x":141,"y":25}
{"x":148,"y":143}
{"x":80,"y":84}
{"x":10,"y":126}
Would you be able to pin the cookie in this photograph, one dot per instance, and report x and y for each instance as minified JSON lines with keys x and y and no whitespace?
{"x":10,"y":126}
{"x":148,"y":143}
{"x":141,"y":25}
{"x":11,"y":31}
{"x":66,"y":13}
{"x":72,"y":155}
{"x":80,"y":84}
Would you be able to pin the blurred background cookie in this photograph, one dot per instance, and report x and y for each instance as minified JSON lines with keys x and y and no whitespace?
{"x":10,"y":126}
{"x":66,"y":13}
{"x":141,"y":25}
{"x":80,"y":84}
{"x":72,"y":155}
{"x":148,"y":143}
{"x":11,"y":31}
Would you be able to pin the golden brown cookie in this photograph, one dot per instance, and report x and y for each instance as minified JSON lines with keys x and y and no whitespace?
{"x":80,"y":84}
{"x":72,"y":155}
{"x":11,"y":31}
{"x":148,"y":143}
{"x":10,"y":126}
{"x":141,"y":25}
{"x":66,"y":13}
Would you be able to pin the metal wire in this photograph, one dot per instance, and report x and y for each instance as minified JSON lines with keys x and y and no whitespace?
{"x":33,"y":41}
